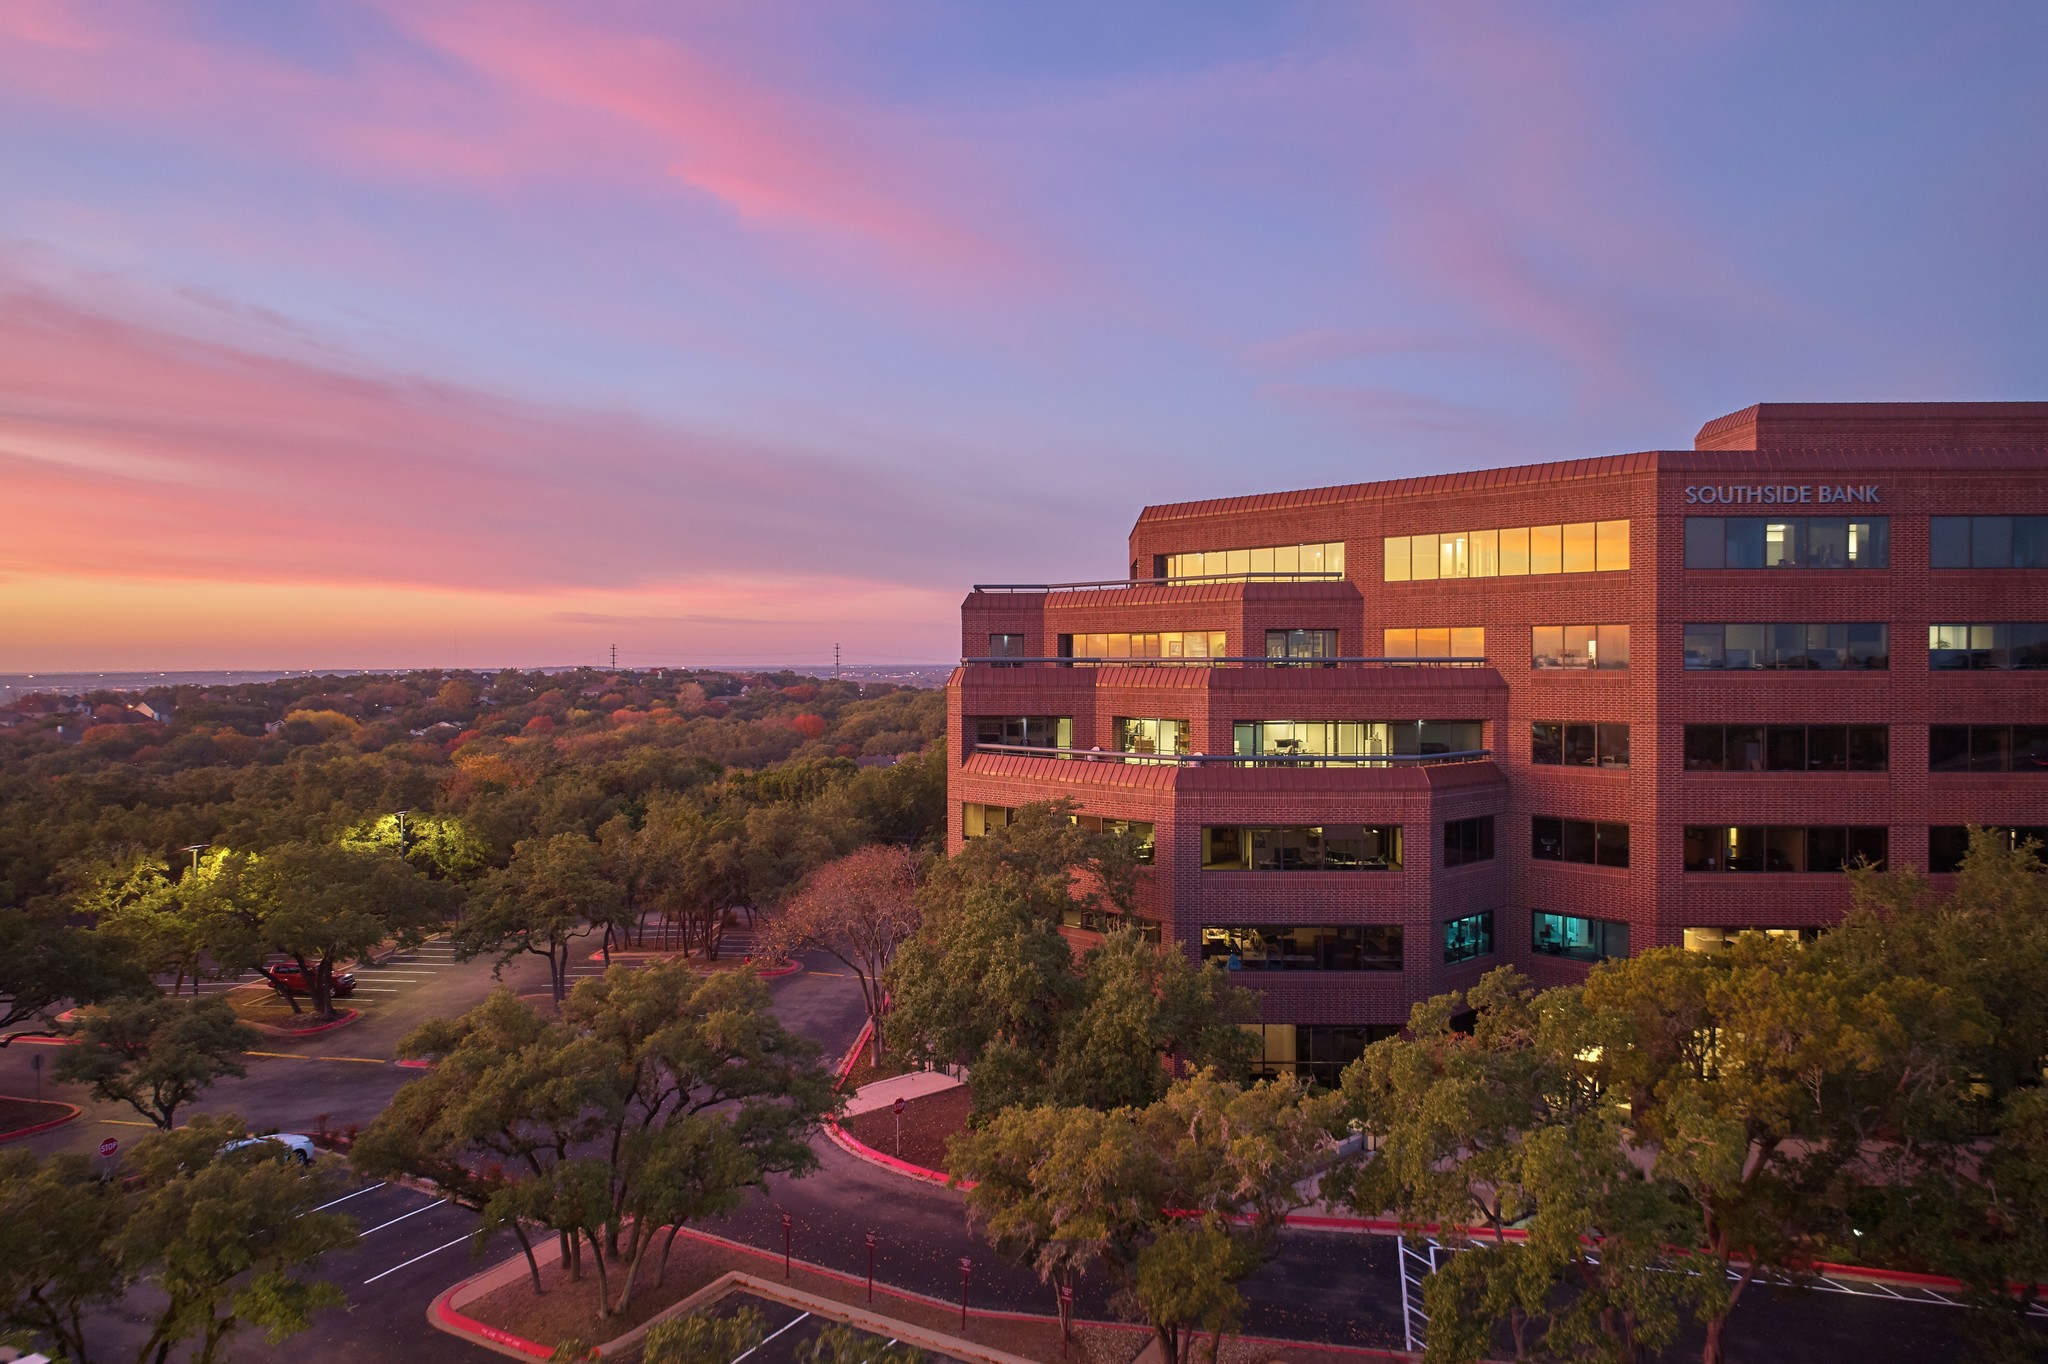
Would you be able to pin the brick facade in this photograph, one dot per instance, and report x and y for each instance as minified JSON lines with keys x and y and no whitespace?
{"x":1923,"y":459}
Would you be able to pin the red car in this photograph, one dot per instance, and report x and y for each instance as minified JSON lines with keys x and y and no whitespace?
{"x":292,"y":981}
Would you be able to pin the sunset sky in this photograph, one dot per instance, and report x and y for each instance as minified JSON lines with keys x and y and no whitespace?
{"x":387,"y":333}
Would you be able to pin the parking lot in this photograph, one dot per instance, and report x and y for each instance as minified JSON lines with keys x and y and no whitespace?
{"x":789,"y":1329}
{"x":386,"y":978}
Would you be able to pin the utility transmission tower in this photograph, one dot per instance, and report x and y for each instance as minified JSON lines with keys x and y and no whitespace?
{"x":835,"y":663}
{"x":615,"y":658}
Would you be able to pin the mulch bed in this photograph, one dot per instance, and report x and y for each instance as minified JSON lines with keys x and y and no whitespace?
{"x":567,"y":1309}
{"x":928,"y":1121}
{"x":16,"y":1114}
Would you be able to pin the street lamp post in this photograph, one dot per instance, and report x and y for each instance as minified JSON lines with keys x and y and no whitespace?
{"x":196,"y":849}
{"x":400,"y":815}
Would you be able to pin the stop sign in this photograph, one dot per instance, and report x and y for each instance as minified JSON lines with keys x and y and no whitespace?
{"x":897,"y":1108}
{"x":109,"y":1146}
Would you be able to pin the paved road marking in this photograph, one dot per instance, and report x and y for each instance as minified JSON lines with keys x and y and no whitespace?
{"x":346,"y":1197}
{"x":437,"y":1203}
{"x":127,"y":1122}
{"x":737,"y":1358}
{"x":300,"y":1056}
{"x":417,"y":1258}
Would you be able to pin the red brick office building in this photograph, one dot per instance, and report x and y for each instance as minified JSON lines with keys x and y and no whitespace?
{"x":1383,"y":737}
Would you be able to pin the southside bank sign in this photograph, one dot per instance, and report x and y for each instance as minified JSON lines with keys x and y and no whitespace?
{"x":1779,"y":494}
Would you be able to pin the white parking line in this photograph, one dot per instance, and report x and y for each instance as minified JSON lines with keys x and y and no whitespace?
{"x":737,"y":1358}
{"x":346,"y":1197}
{"x":416,"y":1259}
{"x":437,"y":1203}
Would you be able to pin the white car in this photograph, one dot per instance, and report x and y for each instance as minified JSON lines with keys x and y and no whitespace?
{"x":290,"y":1145}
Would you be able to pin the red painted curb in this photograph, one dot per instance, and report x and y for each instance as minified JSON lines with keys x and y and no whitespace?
{"x":347,"y":1017}
{"x":853,"y":1052}
{"x":779,"y":971}
{"x":53,"y":1123}
{"x":416,"y":1065}
{"x":455,"y":1323}
{"x":860,"y":1150}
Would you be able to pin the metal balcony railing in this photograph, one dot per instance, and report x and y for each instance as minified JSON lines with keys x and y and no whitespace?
{"x":1473,"y":755}
{"x":1260,"y":661}
{"x":1111,"y":584}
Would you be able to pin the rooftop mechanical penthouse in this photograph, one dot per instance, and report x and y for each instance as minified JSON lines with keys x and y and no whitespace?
{"x":1381,"y":738}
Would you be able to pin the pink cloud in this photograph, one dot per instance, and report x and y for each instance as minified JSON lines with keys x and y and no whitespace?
{"x":512,"y":94}
{"x":128,"y":449}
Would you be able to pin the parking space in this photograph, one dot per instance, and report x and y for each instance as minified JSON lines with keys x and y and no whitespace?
{"x":789,"y":1330}
{"x":389,"y":976}
{"x":402,"y":1231}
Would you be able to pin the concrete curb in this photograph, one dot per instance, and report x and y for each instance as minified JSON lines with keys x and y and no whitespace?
{"x":49,"y":1126}
{"x":860,"y":1150}
{"x":347,"y":1017}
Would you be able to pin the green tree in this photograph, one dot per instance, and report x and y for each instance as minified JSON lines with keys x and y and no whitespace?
{"x":440,"y":845}
{"x":699,"y":1338}
{"x":1064,"y":1190}
{"x":228,"y":1240}
{"x":1141,"y":1008}
{"x":47,"y":964}
{"x":155,"y":1054}
{"x":317,"y":905}
{"x":59,"y":1271}
{"x":659,"y":1097}
{"x":554,"y":895}
{"x":138,"y":902}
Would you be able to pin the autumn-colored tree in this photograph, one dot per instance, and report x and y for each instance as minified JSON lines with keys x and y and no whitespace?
{"x":859,"y":909}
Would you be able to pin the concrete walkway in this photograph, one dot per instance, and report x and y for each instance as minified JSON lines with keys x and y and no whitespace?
{"x":882,"y":1093}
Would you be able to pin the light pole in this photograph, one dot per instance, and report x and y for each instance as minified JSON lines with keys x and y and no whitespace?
{"x":400,"y":816}
{"x":196,"y":849}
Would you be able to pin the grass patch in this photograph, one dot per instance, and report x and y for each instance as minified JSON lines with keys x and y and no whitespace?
{"x":16,"y":1114}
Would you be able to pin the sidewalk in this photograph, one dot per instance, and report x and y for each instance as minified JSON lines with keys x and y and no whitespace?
{"x":882,"y":1093}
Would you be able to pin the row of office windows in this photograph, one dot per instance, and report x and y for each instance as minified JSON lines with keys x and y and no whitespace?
{"x":1829,"y":647}
{"x":1787,"y":542}
{"x":1947,"y":843}
{"x":1987,"y":748}
{"x":1591,"y":842}
{"x":1784,"y":847}
{"x":1447,"y":642}
{"x":1025,"y":731}
{"x":1519,"y":551}
{"x":978,"y":819}
{"x":1987,"y":541}
{"x":1147,"y":644}
{"x":1787,"y":748}
{"x":1578,"y":646}
{"x":1556,"y":744}
{"x":1344,"y":947}
{"x":1311,"y":847}
{"x":1319,"y":559}
{"x":1313,"y":1052}
{"x":1355,"y":739}
{"x":1269,"y":947}
{"x":1576,"y":937}
{"x":1987,"y":648}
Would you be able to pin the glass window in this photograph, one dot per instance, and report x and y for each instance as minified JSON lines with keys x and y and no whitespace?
{"x":1610,"y":646}
{"x":1578,"y":840}
{"x":1613,"y":742}
{"x":1782,"y":543}
{"x":1785,"y":748}
{"x":1991,"y":542}
{"x":1292,"y":848}
{"x":1468,"y":840}
{"x":1783,"y":847}
{"x":1349,"y":947}
{"x":1546,"y":646}
{"x":2030,"y":647}
{"x":1995,"y":647}
{"x":1870,"y":748}
{"x":1827,"y":749}
{"x":2030,"y":748}
{"x":1745,"y":542}
{"x":1580,"y":939}
{"x":1990,"y":748}
{"x":1580,"y":747}
{"x":1546,"y":743}
{"x":1396,"y":567}
{"x":1613,"y":542}
{"x":1469,"y":937}
{"x":1703,"y":748}
{"x":1704,"y":647}
{"x":1948,"y":748}
{"x":1827,"y":542}
{"x":1704,"y":542}
{"x":1006,"y":646}
{"x":1486,"y":553}
{"x":1948,"y":541}
{"x":1514,"y":552}
{"x":1546,"y":549}
{"x":1580,"y":555}
{"x":2030,"y":542}
{"x":1746,"y":750}
{"x":1423,"y":562}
